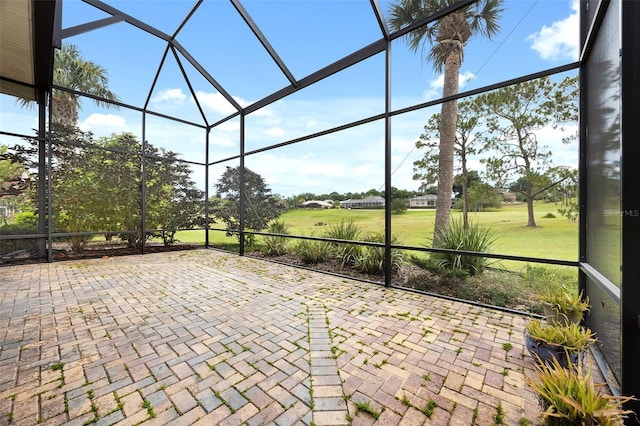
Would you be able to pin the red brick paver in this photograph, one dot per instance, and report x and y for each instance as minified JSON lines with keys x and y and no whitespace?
{"x":204,"y":337}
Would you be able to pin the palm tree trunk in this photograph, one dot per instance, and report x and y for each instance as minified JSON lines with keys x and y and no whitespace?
{"x":465,"y":192}
{"x":448,"y":122}
{"x":64,"y":111}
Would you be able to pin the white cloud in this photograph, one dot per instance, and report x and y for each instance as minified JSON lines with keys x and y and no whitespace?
{"x":560,"y":40}
{"x":216,"y":102}
{"x":174,"y":96}
{"x":222,"y":141}
{"x":274,"y":131}
{"x":435,"y":86}
{"x":94,"y":120}
{"x":219,"y":104}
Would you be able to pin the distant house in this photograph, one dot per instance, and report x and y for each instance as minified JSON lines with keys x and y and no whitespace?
{"x":370,"y":202}
{"x":423,"y":201}
{"x":426,"y":202}
{"x":509,"y":197}
{"x":315,"y":204}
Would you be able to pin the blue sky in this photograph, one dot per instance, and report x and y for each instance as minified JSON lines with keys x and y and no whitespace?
{"x":307,"y":35}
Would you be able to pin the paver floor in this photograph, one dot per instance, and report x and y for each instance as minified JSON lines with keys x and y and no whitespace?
{"x":208,"y":338}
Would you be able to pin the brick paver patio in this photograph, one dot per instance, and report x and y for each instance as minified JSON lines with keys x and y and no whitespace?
{"x":209,"y":338}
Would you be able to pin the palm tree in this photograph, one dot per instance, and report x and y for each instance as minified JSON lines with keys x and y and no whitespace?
{"x":70,"y":70}
{"x":447,"y":37}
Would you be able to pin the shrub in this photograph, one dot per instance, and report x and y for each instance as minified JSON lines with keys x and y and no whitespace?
{"x":549,"y":216}
{"x":311,"y":251}
{"x":371,"y":259}
{"x":26,"y":218}
{"x":540,"y":275}
{"x":446,"y":275}
{"x":276,"y":245}
{"x":472,"y":238}
{"x":570,"y":397}
{"x":10,"y":246}
{"x":349,"y":231}
{"x":399,"y":205}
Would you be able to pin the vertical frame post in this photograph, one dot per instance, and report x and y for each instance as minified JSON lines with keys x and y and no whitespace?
{"x":143,"y":184}
{"x":630,"y":208}
{"x":241,"y":191}
{"x":42,"y":174}
{"x":206,"y":188}
{"x":387,"y":166}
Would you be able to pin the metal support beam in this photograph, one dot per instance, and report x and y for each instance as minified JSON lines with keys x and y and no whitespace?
{"x":143,"y":184}
{"x":264,"y":41}
{"x":341,"y":64}
{"x":206,"y":188}
{"x":241,"y":191}
{"x":387,"y":167}
{"x":89,"y":26}
{"x":377,"y":10}
{"x":42,"y":172}
{"x":630,"y":208}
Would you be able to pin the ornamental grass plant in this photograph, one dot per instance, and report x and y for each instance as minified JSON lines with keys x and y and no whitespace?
{"x":569,"y":397}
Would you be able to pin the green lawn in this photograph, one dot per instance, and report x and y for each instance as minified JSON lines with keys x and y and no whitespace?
{"x":554,"y":238}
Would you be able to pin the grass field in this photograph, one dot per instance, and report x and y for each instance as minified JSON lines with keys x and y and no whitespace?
{"x":553,"y":238}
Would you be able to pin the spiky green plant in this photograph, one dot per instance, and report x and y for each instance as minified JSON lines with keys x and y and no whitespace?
{"x":570,"y":397}
{"x":347,"y":230}
{"x":371,"y":259}
{"x":276,"y":245}
{"x":573,"y":337}
{"x":473,"y":237}
{"x":311,"y":251}
{"x":564,"y":304}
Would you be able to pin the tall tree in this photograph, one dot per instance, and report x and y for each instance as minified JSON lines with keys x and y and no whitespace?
{"x":447,"y":37}
{"x":513,"y":116}
{"x":427,"y":168}
{"x":261,"y":205}
{"x":72,"y":71}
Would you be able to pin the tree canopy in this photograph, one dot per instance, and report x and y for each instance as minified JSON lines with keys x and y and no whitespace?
{"x":261,"y":206}
{"x":97,"y":186}
{"x":514,"y":115}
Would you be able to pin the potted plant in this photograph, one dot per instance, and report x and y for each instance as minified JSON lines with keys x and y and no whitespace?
{"x":562,"y":305}
{"x":570,"y":397}
{"x":565,"y":343}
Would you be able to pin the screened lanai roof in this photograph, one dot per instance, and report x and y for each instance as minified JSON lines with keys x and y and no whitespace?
{"x":214,"y":61}
{"x":26,"y":34}
{"x":211,"y":54}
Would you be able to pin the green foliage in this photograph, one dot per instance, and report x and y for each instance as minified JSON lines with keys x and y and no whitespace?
{"x":364,"y":407}
{"x":371,"y":259}
{"x":573,"y":337}
{"x":541,"y":275}
{"x":345,"y":230}
{"x":10,"y":246}
{"x":26,"y":218}
{"x":513,"y":116}
{"x":261,"y":207}
{"x":564,"y":300}
{"x":96,"y":186}
{"x":399,"y":205}
{"x":276,"y":245}
{"x":312,"y":251}
{"x":429,"y":408}
{"x":475,"y":238}
{"x":498,"y":417}
{"x":571,"y":397}
{"x":549,"y":216}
